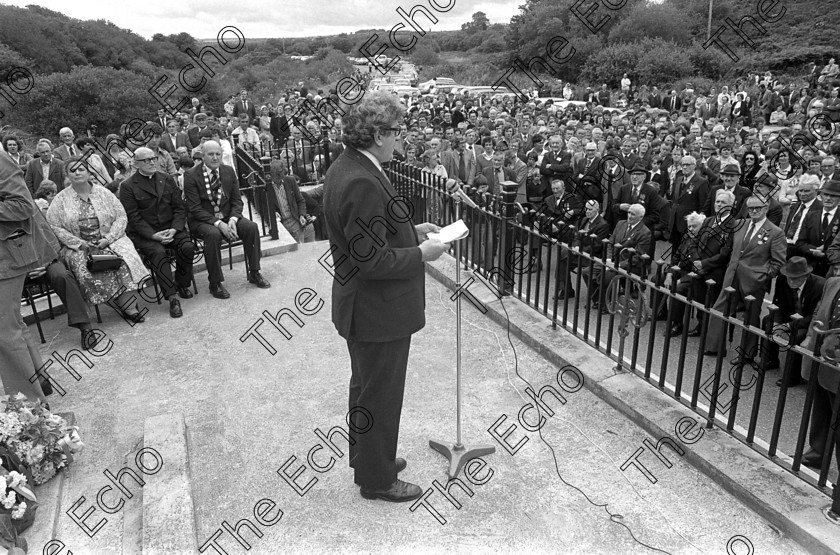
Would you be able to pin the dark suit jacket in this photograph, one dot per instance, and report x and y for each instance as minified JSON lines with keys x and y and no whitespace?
{"x":811,"y":237}
{"x":600,"y":228}
{"x":711,"y":171}
{"x":580,"y":171}
{"x":647,"y":198}
{"x":555,"y":166}
{"x":672,"y":103}
{"x":712,"y":240}
{"x":816,"y":207}
{"x":611,"y":184}
{"x":639,"y":240}
{"x":152,"y":206}
{"x":379,"y":278}
{"x":34,"y":174}
{"x":684,"y":203}
{"x":789,"y":303}
{"x":828,"y":377}
{"x":62,"y":152}
{"x":181,"y":139}
{"x":655,"y":101}
{"x":238,"y":108}
{"x":488,"y":177}
{"x":199,"y":204}
{"x":279,"y":128}
{"x":192,"y":136}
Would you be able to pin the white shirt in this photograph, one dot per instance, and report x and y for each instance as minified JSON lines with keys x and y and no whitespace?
{"x":372,"y":158}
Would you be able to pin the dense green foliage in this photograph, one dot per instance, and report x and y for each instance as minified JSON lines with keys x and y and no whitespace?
{"x":92,"y":72}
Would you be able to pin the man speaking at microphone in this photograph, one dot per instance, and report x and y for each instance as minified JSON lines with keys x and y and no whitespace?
{"x":378,"y":293}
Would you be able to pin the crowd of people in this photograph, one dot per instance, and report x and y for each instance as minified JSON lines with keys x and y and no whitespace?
{"x":740,"y":183}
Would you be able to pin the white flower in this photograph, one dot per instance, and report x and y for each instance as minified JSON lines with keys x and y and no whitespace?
{"x":3,"y":485}
{"x":17,"y":479}
{"x":9,"y":500}
{"x":18,"y":513}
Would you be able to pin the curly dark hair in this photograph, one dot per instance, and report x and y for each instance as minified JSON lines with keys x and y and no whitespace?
{"x":374,"y":111}
{"x":14,"y":138}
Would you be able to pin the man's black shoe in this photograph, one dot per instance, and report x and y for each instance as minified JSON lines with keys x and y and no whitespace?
{"x":401,"y":464}
{"x":709,"y":353}
{"x":794,"y":381}
{"x":676,"y":331}
{"x":771,"y":364}
{"x":564,"y":294}
{"x":742,"y":361}
{"x":398,"y":492}
{"x":219,"y":291}
{"x":695,"y":332}
{"x":257,"y":279}
{"x":831,"y":515}
{"x":812,"y":458}
{"x":175,"y":308}
{"x":185,"y":293}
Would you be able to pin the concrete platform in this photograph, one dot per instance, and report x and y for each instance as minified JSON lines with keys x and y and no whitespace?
{"x":247,"y":412}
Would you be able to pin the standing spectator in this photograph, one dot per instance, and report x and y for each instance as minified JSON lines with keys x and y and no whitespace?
{"x":165,"y":163}
{"x":819,"y":230}
{"x":245,"y":106}
{"x":20,"y":252}
{"x":690,"y":194}
{"x":173,"y":139}
{"x":625,"y":85}
{"x":14,"y":148}
{"x":67,"y":149}
{"x":604,"y":96}
{"x":758,"y":253}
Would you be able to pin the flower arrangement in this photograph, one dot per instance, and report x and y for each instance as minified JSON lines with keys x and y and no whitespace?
{"x":41,"y":440}
{"x":17,"y":502}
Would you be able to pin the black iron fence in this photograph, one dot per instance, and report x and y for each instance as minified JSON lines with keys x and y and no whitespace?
{"x":628,"y":314}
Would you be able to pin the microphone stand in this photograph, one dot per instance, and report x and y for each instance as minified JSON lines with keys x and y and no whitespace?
{"x":458,"y":454}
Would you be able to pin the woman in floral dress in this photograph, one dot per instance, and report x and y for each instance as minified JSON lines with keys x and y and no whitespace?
{"x":88,"y":216}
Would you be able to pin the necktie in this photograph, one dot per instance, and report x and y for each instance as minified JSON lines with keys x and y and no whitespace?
{"x":794,"y":222}
{"x":748,"y":236}
{"x":824,"y":228}
{"x":627,"y":233}
{"x":798,"y":307}
{"x":588,"y":163}
{"x":215,"y":186}
{"x":635,"y":195}
{"x":462,"y":167}
{"x":72,"y":150}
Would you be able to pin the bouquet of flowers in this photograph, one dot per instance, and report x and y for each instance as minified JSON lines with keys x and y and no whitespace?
{"x":17,"y":502}
{"x":42,"y":441}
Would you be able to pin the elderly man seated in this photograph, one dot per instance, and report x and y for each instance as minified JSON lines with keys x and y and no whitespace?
{"x":628,"y":234}
{"x":157,"y":218}
{"x":215,"y":209}
{"x":290,"y":204}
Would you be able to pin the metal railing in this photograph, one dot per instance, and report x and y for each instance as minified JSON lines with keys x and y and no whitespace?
{"x":533,"y":257}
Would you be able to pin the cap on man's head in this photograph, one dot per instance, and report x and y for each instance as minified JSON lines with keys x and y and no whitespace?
{"x":731,"y":169}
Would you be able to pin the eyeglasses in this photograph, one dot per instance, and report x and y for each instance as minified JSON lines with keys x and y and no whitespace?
{"x":146,"y":159}
{"x":755,"y":208}
{"x":686,"y":163}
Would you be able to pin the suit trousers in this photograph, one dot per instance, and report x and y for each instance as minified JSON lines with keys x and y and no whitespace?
{"x":717,"y":327}
{"x":377,"y":384}
{"x":19,"y":356}
{"x":248,"y":232}
{"x":156,"y":255}
{"x":66,"y":287}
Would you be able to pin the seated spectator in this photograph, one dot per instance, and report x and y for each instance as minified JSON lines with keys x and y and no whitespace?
{"x":215,"y":212}
{"x":45,"y":194}
{"x":591,"y":224}
{"x":86,"y":217}
{"x":14,"y":148}
{"x":628,"y":234}
{"x":698,"y":253}
{"x":44,"y":167}
{"x":98,"y":170}
{"x":157,"y":218}
{"x":290,"y":204}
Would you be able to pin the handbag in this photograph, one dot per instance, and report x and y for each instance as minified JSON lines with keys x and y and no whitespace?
{"x":103,"y":261}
